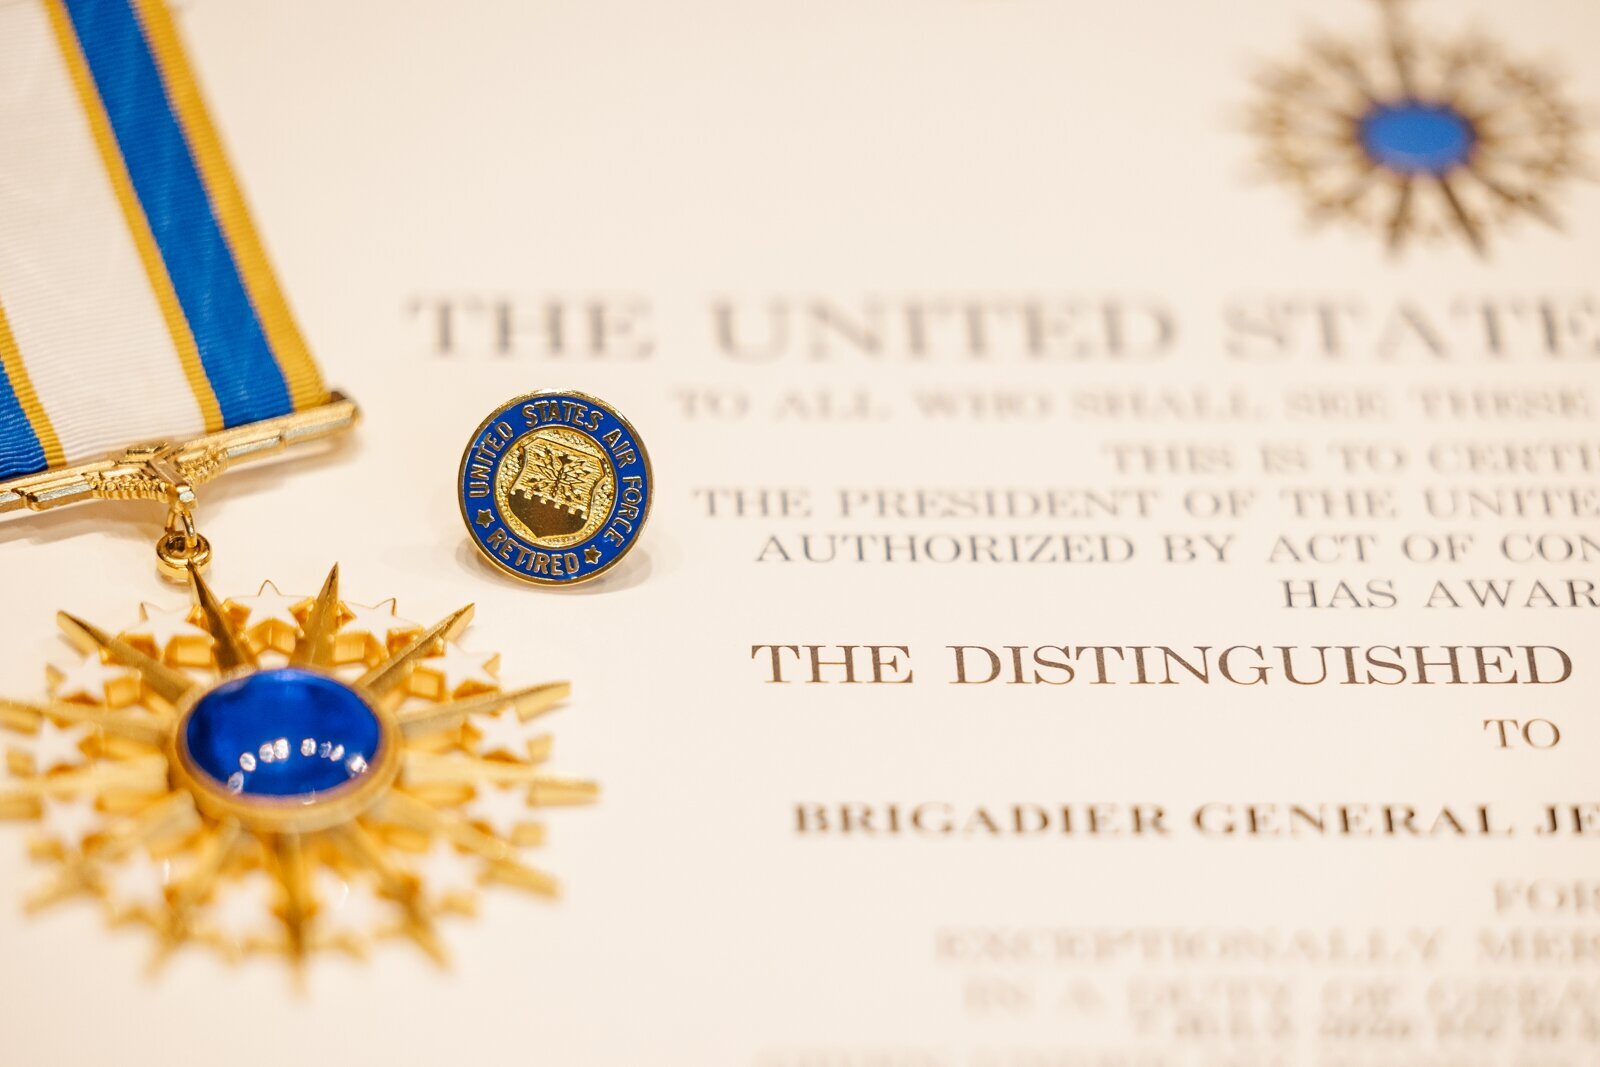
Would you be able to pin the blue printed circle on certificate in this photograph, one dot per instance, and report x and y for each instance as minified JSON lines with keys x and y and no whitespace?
{"x":1416,"y":138}
{"x":555,"y":487}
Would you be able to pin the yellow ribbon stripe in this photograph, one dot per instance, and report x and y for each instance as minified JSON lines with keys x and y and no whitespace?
{"x":300,"y":373}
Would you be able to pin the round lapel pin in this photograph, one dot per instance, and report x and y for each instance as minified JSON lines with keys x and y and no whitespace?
{"x":555,"y":487}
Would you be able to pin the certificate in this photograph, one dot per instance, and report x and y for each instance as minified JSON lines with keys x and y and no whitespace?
{"x":1122,"y":583}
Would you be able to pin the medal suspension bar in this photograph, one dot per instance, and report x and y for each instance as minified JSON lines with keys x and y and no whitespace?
{"x":168,"y":472}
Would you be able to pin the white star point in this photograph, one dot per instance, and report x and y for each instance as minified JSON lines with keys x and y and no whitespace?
{"x":459,"y":669}
{"x":502,"y":810}
{"x":347,"y":906}
{"x":269,"y":605}
{"x":68,"y":821}
{"x":241,"y":911}
{"x":379,"y":620}
{"x":56,"y":745}
{"x":89,"y":678}
{"x":447,"y":872}
{"x":137,"y":883}
{"x":163,"y":626}
{"x":503,"y":731}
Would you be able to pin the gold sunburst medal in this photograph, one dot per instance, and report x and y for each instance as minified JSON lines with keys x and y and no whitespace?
{"x":276,"y":773}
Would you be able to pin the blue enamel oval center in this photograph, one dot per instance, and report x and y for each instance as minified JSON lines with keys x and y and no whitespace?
{"x":282,"y":733}
{"x":1413,"y":137}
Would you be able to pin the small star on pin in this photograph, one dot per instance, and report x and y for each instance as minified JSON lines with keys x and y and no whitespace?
{"x":591,"y":555}
{"x":485,"y":517}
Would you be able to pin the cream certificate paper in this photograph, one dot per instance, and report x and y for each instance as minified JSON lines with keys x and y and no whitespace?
{"x":1104,"y":604}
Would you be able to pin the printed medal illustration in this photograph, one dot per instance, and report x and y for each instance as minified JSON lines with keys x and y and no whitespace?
{"x":555,"y":487}
{"x":1417,"y":134}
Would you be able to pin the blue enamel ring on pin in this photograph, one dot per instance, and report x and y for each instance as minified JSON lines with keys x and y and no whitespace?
{"x":555,"y":487}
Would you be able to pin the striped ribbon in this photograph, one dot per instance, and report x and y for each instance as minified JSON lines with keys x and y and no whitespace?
{"x":136,"y":302}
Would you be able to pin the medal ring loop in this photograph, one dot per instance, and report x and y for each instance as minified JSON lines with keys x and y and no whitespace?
{"x":181,"y":546}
